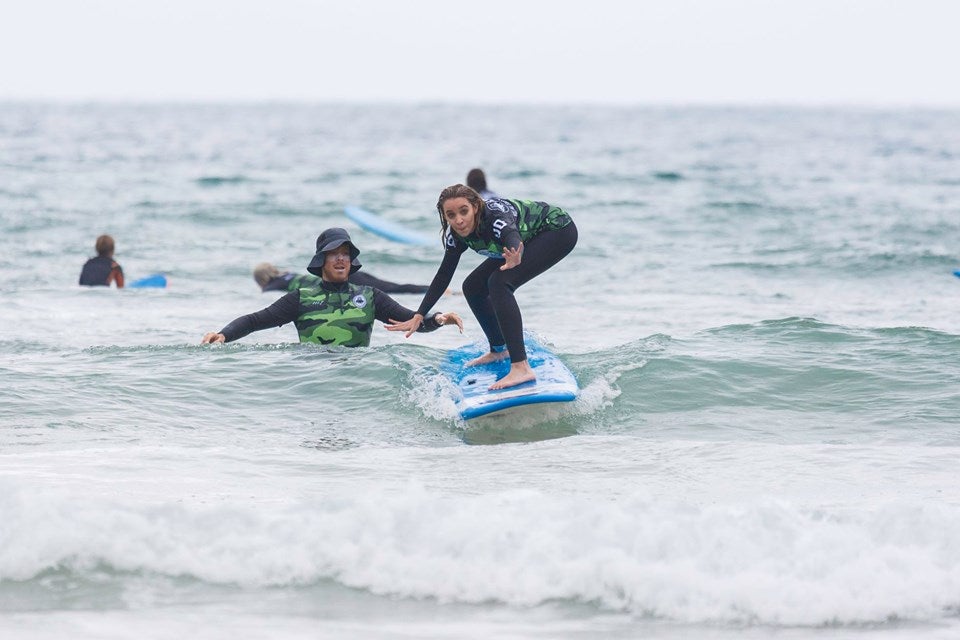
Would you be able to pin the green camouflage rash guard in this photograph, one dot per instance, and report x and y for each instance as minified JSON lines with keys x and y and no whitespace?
{"x":302,"y":281}
{"x":336,"y":317}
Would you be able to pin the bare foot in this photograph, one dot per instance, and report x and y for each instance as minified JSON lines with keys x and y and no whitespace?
{"x":487,"y":358}
{"x":520,"y":372}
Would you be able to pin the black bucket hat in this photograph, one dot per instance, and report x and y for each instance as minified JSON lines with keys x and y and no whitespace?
{"x":328,"y":241}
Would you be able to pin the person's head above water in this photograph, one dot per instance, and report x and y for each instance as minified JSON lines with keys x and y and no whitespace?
{"x":477,"y":180}
{"x":104,"y":246}
{"x":327,"y":242}
{"x":264,"y":272}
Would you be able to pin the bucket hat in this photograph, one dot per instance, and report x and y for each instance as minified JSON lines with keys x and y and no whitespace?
{"x":328,"y":241}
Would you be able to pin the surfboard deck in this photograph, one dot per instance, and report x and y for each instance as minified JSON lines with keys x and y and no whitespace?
{"x":387,"y":228}
{"x":554,"y":383}
{"x":157,"y":280}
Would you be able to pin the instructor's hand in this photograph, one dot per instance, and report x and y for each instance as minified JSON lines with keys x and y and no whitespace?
{"x":511,"y":257}
{"x":213,"y":338}
{"x":410,"y":326}
{"x":449,"y":318}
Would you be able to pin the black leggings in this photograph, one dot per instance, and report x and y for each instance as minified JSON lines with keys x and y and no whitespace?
{"x":489,"y":291}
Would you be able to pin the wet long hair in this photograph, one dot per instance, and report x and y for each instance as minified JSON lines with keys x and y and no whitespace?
{"x":457,"y":191}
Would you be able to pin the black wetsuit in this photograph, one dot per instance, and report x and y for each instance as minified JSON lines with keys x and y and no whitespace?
{"x":548,"y":234}
{"x":291,"y":282}
{"x":288,"y":309}
{"x":100,"y":272}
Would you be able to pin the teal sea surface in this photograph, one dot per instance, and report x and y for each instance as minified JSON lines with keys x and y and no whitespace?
{"x":761,"y":312}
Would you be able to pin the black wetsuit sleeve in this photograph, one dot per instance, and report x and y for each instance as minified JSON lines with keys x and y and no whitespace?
{"x":451,"y":258}
{"x":284,"y":310}
{"x":501,"y":216}
{"x":510,"y":237}
{"x":363,"y":278}
{"x":277,"y":284}
{"x":389,"y":309}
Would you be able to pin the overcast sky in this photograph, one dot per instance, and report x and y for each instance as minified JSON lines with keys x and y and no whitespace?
{"x":865,"y":52}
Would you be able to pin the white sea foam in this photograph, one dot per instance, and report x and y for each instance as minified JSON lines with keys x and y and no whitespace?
{"x":767,"y":563}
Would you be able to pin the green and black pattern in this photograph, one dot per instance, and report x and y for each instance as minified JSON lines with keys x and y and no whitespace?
{"x":336,"y":318}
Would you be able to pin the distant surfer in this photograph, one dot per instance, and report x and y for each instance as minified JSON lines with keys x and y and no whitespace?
{"x":477,"y":180}
{"x":271,"y":278}
{"x":521,"y":239}
{"x":334,"y":312}
{"x":102,"y":270}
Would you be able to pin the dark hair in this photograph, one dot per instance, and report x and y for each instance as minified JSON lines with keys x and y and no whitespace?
{"x":458,"y":191}
{"x":104,"y":245}
{"x":476,"y":180}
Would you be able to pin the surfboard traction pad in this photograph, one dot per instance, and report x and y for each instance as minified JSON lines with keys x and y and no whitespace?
{"x":554,"y":383}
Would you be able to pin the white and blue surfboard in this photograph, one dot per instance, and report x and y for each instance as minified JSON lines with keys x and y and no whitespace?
{"x":387,"y":228}
{"x":554,"y":383}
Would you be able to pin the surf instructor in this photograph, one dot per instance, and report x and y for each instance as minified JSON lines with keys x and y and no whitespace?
{"x":521,"y":239}
{"x":333,"y":312}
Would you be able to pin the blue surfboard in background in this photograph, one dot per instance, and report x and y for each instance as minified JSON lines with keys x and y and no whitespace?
{"x":554,"y":383}
{"x":387,"y":228}
{"x":156,"y":280}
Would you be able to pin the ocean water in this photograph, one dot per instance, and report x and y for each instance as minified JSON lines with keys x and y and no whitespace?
{"x":761,"y":312}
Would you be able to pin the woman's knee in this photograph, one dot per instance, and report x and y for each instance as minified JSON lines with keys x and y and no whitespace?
{"x":501,"y":282}
{"x":474,"y":286}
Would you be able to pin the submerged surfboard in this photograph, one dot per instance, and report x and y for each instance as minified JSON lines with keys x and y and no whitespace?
{"x":156,"y":280}
{"x":554,"y":383}
{"x":957,"y":273}
{"x":387,"y":228}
